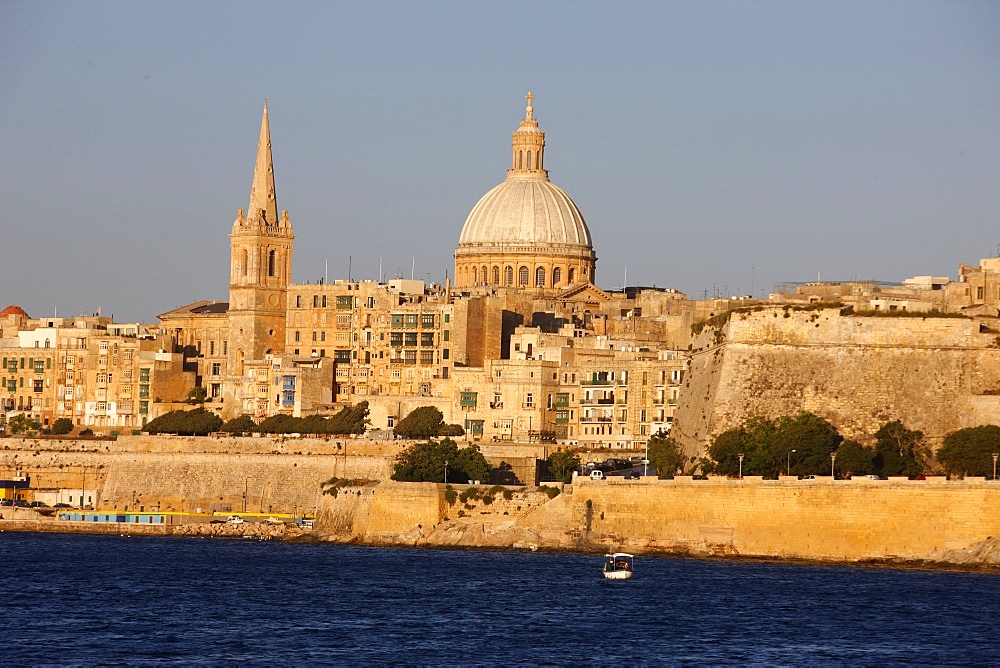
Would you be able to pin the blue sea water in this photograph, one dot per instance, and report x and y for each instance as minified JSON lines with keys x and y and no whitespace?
{"x":81,"y":600}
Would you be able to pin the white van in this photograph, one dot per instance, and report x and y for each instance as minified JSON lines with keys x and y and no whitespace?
{"x":597,"y":474}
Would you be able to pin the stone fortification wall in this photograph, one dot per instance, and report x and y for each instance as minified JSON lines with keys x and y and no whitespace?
{"x":825,"y":520}
{"x":857,"y":372}
{"x":213,"y":482}
{"x":905,"y":521}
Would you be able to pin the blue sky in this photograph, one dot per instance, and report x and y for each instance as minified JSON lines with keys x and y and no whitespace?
{"x":712,"y":146}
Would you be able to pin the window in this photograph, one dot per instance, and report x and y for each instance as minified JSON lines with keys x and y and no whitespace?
{"x":522,"y":276}
{"x":427,"y":357}
{"x":445,"y":354}
{"x":468,"y":399}
{"x":496,"y":275}
{"x":370,"y":302}
{"x":509,"y":276}
{"x":216,"y":368}
{"x":529,"y":400}
{"x":447,"y":317}
{"x":314,"y":336}
{"x":344,"y":302}
{"x":215,"y":390}
{"x":315,"y":301}
{"x":270,"y":263}
{"x":342,"y":356}
{"x":427,"y":320}
{"x":410,"y":339}
{"x":980,"y":292}
{"x":410,"y":320}
{"x":322,"y":336}
{"x":323,"y":301}
{"x":390,"y":422}
{"x":298,"y":301}
{"x":297,"y":336}
{"x":447,"y":335}
{"x":572,"y":275}
{"x":540,"y":277}
{"x":556,"y":276}
{"x":396,"y":339}
{"x":427,"y":338}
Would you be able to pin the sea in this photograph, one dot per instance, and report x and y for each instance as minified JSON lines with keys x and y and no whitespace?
{"x":104,"y":600}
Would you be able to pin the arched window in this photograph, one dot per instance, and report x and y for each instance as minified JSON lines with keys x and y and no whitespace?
{"x":540,"y":277}
{"x":522,"y":276}
{"x":529,"y":159}
{"x":520,"y":159}
{"x":572,"y":275}
{"x":270,"y":263}
{"x":244,"y":262}
{"x":556,"y":276}
{"x":496,"y":275}
{"x":485,"y":276}
{"x":509,"y":276}
{"x":473,"y":275}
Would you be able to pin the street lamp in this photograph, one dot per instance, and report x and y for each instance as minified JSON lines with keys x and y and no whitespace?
{"x":446,"y":471}
{"x":833,"y":458}
{"x":741,"y":465}
{"x":788,"y":462}
{"x":995,"y":455}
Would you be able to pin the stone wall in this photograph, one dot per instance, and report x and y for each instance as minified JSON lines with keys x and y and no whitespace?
{"x":856,"y":372}
{"x":825,"y":520}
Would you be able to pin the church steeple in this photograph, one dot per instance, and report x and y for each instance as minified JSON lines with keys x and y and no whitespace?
{"x":528,"y":146}
{"x":262,"y":197}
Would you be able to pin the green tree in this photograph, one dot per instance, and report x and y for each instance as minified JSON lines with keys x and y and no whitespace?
{"x":425,"y":462}
{"x":969,"y":452}
{"x":61,"y":426}
{"x":665,"y":455}
{"x":280,"y":424}
{"x":562,"y":463}
{"x":22,"y":423}
{"x":813,"y":437}
{"x":469,"y":464}
{"x":724,"y":453}
{"x":197,"y":395}
{"x":422,"y":422}
{"x":350,"y":420}
{"x":197,"y":422}
{"x":243,"y":424}
{"x":899,"y":451}
{"x":451,"y":430}
{"x":854,"y":458}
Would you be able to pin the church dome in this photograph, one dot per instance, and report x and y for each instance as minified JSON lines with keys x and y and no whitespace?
{"x":13,"y":309}
{"x":525,"y":210}
{"x":526,"y":232}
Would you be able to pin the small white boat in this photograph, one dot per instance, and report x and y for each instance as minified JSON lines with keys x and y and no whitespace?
{"x":234,"y":520}
{"x":618,"y":566}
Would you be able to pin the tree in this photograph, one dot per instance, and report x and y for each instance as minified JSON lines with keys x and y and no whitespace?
{"x":422,"y":422}
{"x":665,"y":455}
{"x":243,"y":424}
{"x":350,"y":420}
{"x":22,"y":423}
{"x":61,"y":426}
{"x":452,"y":430}
{"x":425,"y":461}
{"x":899,"y":451}
{"x":854,"y":458}
{"x":280,"y":424}
{"x":969,"y":452}
{"x":562,"y":463}
{"x":723,"y":453}
{"x":469,"y":464}
{"x":197,"y":395}
{"x":813,"y":437}
{"x":197,"y":422}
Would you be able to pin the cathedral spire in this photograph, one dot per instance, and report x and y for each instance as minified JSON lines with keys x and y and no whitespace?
{"x":528,"y":146}
{"x":262,"y":192}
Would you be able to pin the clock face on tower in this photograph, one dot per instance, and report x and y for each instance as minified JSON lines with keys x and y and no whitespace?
{"x":272,"y":300}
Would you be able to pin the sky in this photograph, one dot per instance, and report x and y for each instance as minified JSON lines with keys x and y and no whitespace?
{"x":717,"y":148}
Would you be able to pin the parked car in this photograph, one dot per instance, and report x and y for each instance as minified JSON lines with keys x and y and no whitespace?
{"x":633,"y":475}
{"x":597,"y":474}
{"x":808,"y":477}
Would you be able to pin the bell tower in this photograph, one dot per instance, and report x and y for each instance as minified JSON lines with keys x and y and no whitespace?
{"x":260,"y":268}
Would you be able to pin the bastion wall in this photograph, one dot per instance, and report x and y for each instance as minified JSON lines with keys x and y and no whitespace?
{"x":935,"y":374}
{"x":826,"y":520}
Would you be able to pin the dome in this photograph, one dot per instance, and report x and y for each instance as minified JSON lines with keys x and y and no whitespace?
{"x":525,"y":211}
{"x":13,"y":309}
{"x":526,"y":232}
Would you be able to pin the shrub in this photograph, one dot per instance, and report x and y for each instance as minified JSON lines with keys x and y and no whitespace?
{"x":450,"y":495}
{"x":551,"y":492}
{"x":62,"y":426}
{"x":422,"y":422}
